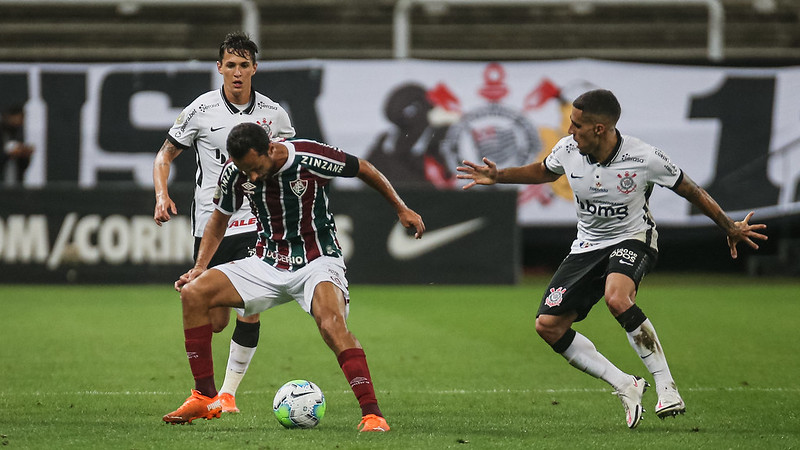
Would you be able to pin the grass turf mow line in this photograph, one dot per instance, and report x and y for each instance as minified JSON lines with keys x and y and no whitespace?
{"x":243,"y":393}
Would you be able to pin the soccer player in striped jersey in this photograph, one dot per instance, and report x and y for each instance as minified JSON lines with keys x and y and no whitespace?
{"x":612,"y":176}
{"x":202,"y":127}
{"x":298,"y":257}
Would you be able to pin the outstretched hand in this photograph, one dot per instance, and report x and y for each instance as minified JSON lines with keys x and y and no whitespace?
{"x":485,"y":175}
{"x":744,"y":232}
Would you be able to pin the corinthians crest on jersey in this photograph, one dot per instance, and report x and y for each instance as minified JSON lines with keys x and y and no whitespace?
{"x":627,"y":182}
{"x":612,"y":198}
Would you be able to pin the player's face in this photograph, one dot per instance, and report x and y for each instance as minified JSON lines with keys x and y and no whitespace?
{"x":584,"y":132}
{"x":237,"y":74}
{"x":254,"y":165}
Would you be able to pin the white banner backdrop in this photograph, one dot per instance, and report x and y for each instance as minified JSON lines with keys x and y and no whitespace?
{"x":734,"y":131}
{"x":697,"y":115}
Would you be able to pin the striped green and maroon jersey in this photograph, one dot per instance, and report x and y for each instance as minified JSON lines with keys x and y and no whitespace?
{"x":295,"y":225}
{"x":203,"y":127}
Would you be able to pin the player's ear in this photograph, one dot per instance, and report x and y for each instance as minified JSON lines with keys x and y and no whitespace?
{"x":272,"y":150}
{"x":599,"y":128}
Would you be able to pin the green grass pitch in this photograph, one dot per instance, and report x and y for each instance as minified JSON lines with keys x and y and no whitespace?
{"x":85,"y":367}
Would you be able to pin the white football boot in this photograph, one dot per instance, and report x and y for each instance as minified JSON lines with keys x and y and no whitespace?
{"x":631,"y":398}
{"x":669,"y":404}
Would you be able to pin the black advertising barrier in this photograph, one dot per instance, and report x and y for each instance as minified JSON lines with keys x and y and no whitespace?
{"x":103,"y":235}
{"x":471,"y":237}
{"x":107,"y":235}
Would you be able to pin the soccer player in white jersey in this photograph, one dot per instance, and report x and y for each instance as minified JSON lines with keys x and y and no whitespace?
{"x":203,"y":127}
{"x":612,"y":176}
{"x":298,"y":257}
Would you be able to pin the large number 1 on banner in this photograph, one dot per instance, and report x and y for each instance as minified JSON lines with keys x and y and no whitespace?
{"x":744,"y":108}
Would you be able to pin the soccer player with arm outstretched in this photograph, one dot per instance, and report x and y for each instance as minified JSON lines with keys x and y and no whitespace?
{"x":612,"y":176}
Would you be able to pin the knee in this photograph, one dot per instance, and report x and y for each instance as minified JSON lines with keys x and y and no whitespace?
{"x":541,"y":328}
{"x":191,"y":297}
{"x":195,"y":299}
{"x":547,"y":331}
{"x":617,"y":301}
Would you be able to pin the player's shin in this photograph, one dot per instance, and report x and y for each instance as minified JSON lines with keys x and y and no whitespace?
{"x":198,"y":351}
{"x":581,"y":353}
{"x":644,"y":340}
{"x":353,"y":362}
{"x":243,"y":346}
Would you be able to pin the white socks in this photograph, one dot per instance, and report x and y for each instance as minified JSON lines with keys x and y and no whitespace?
{"x":583,"y":355}
{"x":645,"y":341}
{"x":238,"y":362}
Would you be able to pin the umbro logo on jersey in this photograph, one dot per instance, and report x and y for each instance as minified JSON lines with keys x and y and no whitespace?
{"x":249,"y":188}
{"x":216,"y":129}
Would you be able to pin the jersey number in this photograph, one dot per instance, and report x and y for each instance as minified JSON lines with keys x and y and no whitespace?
{"x":221,"y":157}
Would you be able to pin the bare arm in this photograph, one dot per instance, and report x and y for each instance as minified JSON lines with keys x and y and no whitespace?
{"x":161,"y":167}
{"x":533,"y":173}
{"x":376,"y":180}
{"x":212,"y":236}
{"x":736,"y":231}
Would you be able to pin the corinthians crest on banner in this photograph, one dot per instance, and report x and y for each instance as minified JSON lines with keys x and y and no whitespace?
{"x":431,"y":132}
{"x":495,"y":131}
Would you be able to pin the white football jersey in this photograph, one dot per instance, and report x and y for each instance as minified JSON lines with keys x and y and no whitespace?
{"x":203,"y":126}
{"x":612,"y":199}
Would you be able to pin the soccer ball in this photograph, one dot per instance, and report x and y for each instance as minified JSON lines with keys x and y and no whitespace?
{"x":299,"y":404}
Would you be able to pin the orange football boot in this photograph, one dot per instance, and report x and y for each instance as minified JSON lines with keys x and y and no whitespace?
{"x":372,"y":422}
{"x":197,"y":406}
{"x":228,"y":403}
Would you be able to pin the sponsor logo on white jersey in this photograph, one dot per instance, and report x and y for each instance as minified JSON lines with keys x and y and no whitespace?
{"x":603,"y":209}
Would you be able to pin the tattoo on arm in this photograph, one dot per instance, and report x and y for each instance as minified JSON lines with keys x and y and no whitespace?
{"x":170,"y":148}
{"x":167,"y":153}
{"x":700,"y":198}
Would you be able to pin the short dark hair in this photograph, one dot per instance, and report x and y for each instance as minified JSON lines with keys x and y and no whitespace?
{"x":599,"y":102}
{"x":245,"y":136}
{"x":240,"y":44}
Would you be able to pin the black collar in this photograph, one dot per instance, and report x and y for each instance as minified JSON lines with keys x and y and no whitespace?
{"x":613,"y":154}
{"x":251,"y":105}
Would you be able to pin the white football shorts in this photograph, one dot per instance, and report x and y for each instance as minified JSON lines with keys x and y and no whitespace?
{"x":262,"y":286}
